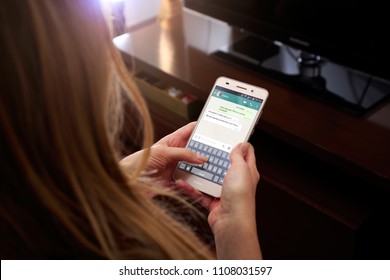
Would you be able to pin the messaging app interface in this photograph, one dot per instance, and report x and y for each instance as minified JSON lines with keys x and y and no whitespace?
{"x":227,"y":120}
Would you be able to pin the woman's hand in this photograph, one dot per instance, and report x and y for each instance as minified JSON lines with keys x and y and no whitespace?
{"x":165,"y":154}
{"x":239,"y":188}
{"x":232,"y":218}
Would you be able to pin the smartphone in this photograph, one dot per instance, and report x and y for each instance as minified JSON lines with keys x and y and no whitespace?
{"x":228,"y":117}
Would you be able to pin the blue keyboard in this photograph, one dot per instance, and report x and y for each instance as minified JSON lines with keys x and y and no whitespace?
{"x":216,"y":166}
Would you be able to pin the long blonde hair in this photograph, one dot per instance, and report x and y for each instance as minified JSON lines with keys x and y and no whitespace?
{"x":64,"y":194}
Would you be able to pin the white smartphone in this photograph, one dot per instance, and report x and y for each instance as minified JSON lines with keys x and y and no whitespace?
{"x":229,"y":116}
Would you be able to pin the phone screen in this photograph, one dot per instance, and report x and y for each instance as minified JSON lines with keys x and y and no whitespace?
{"x":225,"y":122}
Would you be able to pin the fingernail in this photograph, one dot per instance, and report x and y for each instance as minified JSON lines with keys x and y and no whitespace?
{"x":201,"y":158}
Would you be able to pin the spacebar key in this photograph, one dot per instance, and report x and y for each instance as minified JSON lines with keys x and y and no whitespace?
{"x":202,"y":173}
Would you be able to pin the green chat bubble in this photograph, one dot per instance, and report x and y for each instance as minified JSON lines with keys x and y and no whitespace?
{"x":238,"y":111}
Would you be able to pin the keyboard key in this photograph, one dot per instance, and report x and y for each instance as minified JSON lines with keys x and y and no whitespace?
{"x":202,"y":173}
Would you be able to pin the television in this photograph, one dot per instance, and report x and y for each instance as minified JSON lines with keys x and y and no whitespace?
{"x":334,"y":50}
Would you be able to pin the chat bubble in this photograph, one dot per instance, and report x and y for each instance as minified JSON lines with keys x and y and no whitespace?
{"x":237,"y":111}
{"x":224,"y":120}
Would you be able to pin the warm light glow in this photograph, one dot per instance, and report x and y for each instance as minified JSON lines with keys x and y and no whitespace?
{"x":167,"y":49}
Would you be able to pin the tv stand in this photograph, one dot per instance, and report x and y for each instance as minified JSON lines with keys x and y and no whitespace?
{"x":310,"y":70}
{"x":315,"y":76}
{"x":309,"y":65}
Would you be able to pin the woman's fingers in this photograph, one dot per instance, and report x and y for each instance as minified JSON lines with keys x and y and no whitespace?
{"x":177,"y":154}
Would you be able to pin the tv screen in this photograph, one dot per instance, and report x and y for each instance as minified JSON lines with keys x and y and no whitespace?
{"x":347,"y":33}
